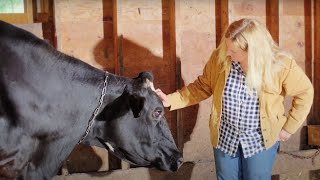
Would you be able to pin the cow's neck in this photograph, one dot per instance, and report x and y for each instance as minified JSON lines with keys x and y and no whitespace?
{"x":85,"y":84}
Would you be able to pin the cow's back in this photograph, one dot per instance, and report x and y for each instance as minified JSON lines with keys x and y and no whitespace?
{"x":37,"y":82}
{"x":46,"y":99}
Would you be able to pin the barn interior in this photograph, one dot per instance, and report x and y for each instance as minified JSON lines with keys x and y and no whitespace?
{"x":174,"y":40}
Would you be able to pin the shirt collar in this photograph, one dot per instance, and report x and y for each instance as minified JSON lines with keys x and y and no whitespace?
{"x":236,"y":66}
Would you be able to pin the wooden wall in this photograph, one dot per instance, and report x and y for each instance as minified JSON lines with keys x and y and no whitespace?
{"x":174,"y":39}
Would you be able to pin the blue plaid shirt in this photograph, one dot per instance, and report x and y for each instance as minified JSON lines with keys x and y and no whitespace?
{"x":240,"y":120}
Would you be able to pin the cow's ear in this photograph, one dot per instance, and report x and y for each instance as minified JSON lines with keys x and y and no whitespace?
{"x":136,"y":104}
{"x":147,"y":79}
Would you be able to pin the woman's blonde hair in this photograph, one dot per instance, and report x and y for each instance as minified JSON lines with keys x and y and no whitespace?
{"x":263,"y":53}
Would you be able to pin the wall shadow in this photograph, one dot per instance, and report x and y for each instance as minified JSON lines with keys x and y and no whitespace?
{"x":135,"y":59}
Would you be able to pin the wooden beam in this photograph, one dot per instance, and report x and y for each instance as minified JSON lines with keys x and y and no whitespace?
{"x":15,"y":18}
{"x":29,"y":10}
{"x":40,"y":11}
{"x":272,"y":12}
{"x":222,"y":18}
{"x":48,"y":26}
{"x":115,"y":37}
{"x":316,"y":82}
{"x":308,"y":37}
{"x":175,"y":75}
{"x":110,"y":38}
{"x":170,"y":59}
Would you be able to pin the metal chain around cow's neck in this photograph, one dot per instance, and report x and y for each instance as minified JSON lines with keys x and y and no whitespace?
{"x":96,"y":111}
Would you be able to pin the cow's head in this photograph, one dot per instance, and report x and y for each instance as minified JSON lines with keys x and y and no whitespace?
{"x":133,"y":127}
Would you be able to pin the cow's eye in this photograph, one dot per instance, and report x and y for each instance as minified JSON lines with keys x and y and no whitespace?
{"x":157,"y":114}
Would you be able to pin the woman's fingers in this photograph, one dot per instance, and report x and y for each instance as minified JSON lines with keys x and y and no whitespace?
{"x":284,"y":135}
{"x":163,"y":97}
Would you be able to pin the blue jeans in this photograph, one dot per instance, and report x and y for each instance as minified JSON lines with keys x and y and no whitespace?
{"x":256,"y":167}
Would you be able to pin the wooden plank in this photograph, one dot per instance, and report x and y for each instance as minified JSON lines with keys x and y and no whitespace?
{"x":14,"y":18}
{"x":44,"y":6}
{"x":110,"y":39}
{"x":111,"y":45}
{"x":314,"y":135}
{"x":308,"y":37}
{"x":292,"y":39}
{"x":316,"y":103}
{"x":48,"y":27}
{"x":272,"y":11}
{"x":169,"y":56}
{"x":115,"y":37}
{"x":29,"y":10}
{"x":175,"y":75}
{"x":222,"y":18}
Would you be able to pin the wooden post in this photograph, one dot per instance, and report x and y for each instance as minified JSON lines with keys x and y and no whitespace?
{"x":28,"y":8}
{"x":48,"y":27}
{"x":222,"y":18}
{"x":308,"y":37}
{"x":115,"y":37}
{"x":169,"y":56}
{"x":174,"y":74}
{"x":316,"y":83}
{"x":272,"y":12}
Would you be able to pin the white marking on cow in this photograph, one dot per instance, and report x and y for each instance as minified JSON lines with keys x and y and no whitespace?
{"x":150,"y":84}
{"x":109,"y":146}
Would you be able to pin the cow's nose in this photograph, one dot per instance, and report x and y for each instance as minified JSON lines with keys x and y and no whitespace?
{"x":175,"y":165}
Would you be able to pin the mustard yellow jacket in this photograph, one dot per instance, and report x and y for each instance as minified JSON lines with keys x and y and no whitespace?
{"x":290,"y":81}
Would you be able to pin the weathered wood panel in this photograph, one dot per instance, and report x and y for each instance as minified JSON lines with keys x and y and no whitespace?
{"x":292,"y":39}
{"x":195,"y":24}
{"x":79,"y":29}
{"x":147,"y":44}
{"x":247,"y":8}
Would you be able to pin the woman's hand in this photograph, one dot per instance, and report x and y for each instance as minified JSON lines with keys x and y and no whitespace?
{"x":163,"y":98}
{"x":284,"y":135}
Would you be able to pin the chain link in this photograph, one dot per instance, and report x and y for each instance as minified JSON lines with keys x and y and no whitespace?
{"x":312,"y":157}
{"x":96,"y":111}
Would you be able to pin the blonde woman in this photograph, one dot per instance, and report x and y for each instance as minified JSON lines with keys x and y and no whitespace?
{"x":248,"y":76}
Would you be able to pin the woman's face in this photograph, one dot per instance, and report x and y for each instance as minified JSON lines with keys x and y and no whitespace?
{"x":236,"y":53}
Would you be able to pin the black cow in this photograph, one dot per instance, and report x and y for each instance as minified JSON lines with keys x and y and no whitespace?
{"x":50,"y":101}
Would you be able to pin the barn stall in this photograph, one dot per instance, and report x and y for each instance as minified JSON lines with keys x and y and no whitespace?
{"x":174,"y":39}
